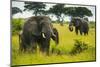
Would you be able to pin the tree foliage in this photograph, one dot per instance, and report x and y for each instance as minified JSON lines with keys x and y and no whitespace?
{"x":78,"y":11}
{"x":16,"y":10}
{"x":58,"y":10}
{"x":36,"y":7}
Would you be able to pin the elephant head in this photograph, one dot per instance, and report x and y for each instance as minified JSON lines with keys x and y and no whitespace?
{"x":38,"y":25}
{"x":47,"y":31}
{"x":75,"y":22}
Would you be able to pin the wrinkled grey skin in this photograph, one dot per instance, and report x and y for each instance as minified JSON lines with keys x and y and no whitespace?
{"x":37,"y":30}
{"x":80,"y":24}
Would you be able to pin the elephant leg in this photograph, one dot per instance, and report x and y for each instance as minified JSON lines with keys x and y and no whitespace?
{"x":84,"y":33}
{"x":80,"y":32}
{"x":33,"y":46}
{"x":76,"y":30}
{"x":87,"y":32}
{"x":48,"y":47}
{"x":45,"y":46}
{"x":22,"y":45}
{"x":41,"y":47}
{"x":25,"y":47}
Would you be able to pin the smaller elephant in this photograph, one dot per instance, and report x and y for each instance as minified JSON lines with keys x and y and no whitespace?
{"x":56,"y":36}
{"x":80,"y":24}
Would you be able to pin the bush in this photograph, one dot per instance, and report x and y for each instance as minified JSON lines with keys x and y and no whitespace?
{"x":92,"y":24}
{"x":79,"y":46}
{"x":54,"y":21}
{"x":16,"y":25}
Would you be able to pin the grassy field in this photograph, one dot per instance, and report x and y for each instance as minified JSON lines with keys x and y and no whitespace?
{"x":67,"y":40}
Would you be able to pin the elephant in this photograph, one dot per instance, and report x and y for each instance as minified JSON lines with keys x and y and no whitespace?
{"x":80,"y":24}
{"x":55,"y":38}
{"x":38,"y":30}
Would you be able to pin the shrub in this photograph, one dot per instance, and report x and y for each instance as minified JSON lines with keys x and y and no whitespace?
{"x":92,"y":24}
{"x":16,"y":25}
{"x":79,"y":46}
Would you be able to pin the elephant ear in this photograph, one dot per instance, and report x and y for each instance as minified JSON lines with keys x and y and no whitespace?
{"x":78,"y":22}
{"x":31,"y":27}
{"x":56,"y":37}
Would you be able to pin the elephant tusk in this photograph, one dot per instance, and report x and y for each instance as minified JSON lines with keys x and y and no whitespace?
{"x":54,"y":35}
{"x":43,"y":35}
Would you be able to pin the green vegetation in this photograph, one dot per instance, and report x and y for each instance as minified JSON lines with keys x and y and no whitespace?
{"x":79,"y":46}
{"x":36,"y":7}
{"x":67,"y":42}
{"x":92,"y":24}
{"x":16,"y":25}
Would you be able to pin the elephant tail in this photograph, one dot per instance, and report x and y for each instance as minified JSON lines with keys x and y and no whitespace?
{"x":20,"y":35}
{"x":20,"y":38}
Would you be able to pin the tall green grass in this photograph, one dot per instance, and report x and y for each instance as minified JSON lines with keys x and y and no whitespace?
{"x":67,"y":40}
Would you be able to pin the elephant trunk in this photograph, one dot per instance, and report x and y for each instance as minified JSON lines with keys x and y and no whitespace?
{"x":71,"y":28}
{"x":47,"y":31}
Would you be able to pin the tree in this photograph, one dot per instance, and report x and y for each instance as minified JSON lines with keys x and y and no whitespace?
{"x":16,"y":10}
{"x":71,"y":11}
{"x":36,"y":7}
{"x":59,"y":11}
{"x":78,"y":11}
{"x":84,"y":12}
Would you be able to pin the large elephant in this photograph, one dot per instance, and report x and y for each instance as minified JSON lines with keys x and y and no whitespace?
{"x":80,"y":24}
{"x":38,"y":30}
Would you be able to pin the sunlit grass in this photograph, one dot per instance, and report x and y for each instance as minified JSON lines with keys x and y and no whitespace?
{"x":67,"y":40}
